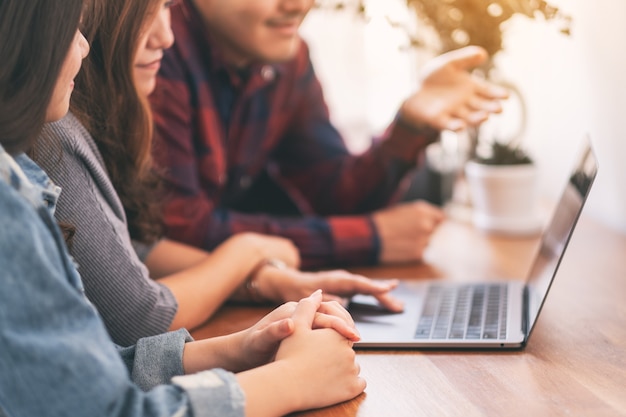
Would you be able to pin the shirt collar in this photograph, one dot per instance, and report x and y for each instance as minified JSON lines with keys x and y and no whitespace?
{"x":21,"y":173}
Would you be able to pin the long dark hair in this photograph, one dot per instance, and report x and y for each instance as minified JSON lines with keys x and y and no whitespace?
{"x":117,"y":116}
{"x":35,"y":38}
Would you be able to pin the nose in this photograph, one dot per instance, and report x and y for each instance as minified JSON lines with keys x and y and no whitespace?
{"x":161,"y":35}
{"x":297,"y":6}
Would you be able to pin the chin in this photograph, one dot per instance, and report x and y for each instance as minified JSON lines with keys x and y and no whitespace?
{"x":281,"y":52}
{"x":279,"y":56}
{"x":57,"y":113}
{"x":146,"y":88}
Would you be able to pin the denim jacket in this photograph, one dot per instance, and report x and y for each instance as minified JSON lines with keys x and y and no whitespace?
{"x":56,"y":358}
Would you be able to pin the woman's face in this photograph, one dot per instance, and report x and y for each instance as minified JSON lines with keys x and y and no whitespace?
{"x":60,"y":102}
{"x":157,"y":36}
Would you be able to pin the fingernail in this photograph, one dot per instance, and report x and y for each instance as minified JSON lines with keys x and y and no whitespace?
{"x":478,"y":117}
{"x":494,"y":106}
{"x":499,"y":92}
{"x":455,"y":125}
{"x":356,"y":335}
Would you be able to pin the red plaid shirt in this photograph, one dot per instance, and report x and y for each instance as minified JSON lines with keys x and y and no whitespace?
{"x":257,"y":152}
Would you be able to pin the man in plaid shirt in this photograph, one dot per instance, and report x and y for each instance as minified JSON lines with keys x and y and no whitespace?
{"x":245,"y":143}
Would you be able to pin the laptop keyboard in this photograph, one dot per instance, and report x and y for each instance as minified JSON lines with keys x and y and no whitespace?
{"x":464,"y":312}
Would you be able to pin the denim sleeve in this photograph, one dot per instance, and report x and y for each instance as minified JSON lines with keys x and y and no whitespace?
{"x":156,"y":360}
{"x":56,"y":358}
{"x":214,"y":393}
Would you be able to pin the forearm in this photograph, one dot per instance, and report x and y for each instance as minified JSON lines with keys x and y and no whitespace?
{"x":215,"y":352}
{"x":349,"y":184}
{"x":269,"y":391}
{"x":169,"y":257}
{"x":201,"y":289}
{"x":314,"y":160}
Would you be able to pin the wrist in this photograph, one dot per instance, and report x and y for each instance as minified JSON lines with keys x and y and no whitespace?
{"x":252,"y":285}
{"x":215,"y":352}
{"x":275,"y":399}
{"x":415,"y":124}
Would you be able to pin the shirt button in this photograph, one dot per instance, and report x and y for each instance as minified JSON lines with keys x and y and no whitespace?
{"x":268,"y":73}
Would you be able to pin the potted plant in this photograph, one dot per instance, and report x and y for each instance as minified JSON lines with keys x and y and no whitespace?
{"x":502,"y":183}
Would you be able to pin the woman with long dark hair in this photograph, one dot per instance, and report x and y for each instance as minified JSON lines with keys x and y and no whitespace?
{"x":56,"y":357}
{"x":141,"y":284}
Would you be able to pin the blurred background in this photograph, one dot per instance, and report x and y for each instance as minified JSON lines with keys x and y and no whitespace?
{"x":566,"y":60}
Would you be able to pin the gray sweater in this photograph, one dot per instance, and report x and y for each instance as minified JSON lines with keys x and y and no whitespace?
{"x":116,"y":281}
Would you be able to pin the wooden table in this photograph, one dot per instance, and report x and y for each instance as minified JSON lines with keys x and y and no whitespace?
{"x":574,"y":364}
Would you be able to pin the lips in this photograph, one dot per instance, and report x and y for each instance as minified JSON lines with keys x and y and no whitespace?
{"x":151,"y":65}
{"x":286,"y":21}
{"x":286,"y":26}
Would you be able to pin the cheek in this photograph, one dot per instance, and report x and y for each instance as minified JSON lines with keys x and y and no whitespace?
{"x":136,"y":75}
{"x":247,"y":25}
{"x":142,"y":48}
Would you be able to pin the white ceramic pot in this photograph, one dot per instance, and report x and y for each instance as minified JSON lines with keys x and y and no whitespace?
{"x":504,"y":197}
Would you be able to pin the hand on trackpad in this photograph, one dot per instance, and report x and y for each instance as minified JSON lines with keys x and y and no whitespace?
{"x":366,"y":304}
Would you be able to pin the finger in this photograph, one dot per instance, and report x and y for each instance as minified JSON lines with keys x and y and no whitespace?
{"x":390,"y":283}
{"x":445,"y":121}
{"x":468,"y":57}
{"x":452,"y":123}
{"x":305,"y":310}
{"x":283,"y":311}
{"x":470,"y":117}
{"x":438,"y":217}
{"x":337,"y":310}
{"x":277,"y":331}
{"x":391,"y":303}
{"x":427,"y":226}
{"x":426,"y":209}
{"x":479,"y":103}
{"x":279,"y":313}
{"x":340,"y":285}
{"x":490,"y":90}
{"x":477,"y":117}
{"x":343,"y":301}
{"x":325,"y":321}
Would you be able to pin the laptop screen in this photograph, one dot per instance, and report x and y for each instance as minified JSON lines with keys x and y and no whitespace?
{"x":557,"y":234}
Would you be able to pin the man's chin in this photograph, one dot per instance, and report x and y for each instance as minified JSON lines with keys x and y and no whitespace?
{"x":283,"y":54}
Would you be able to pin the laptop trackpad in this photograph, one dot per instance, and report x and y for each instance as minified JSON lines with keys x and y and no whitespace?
{"x":374,"y":322}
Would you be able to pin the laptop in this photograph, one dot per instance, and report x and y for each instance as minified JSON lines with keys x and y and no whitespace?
{"x":491,"y":314}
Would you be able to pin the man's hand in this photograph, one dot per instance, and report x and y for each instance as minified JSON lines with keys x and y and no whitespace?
{"x":405,"y":230}
{"x":450,"y":97}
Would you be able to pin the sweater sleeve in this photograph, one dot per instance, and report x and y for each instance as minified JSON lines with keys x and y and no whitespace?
{"x":131,"y":304}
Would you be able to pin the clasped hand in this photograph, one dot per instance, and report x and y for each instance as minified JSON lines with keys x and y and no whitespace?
{"x":261,"y":341}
